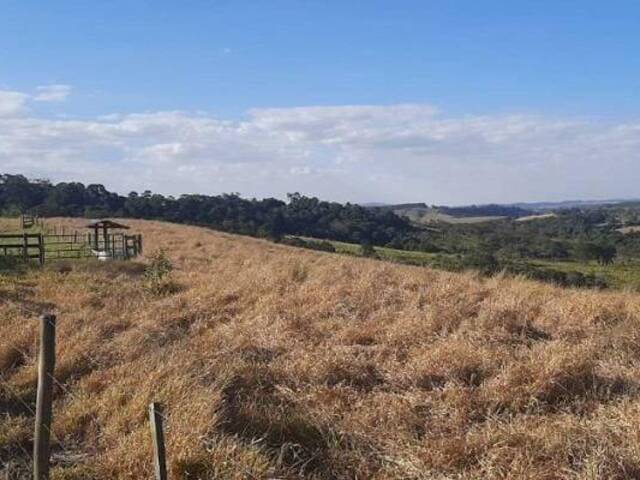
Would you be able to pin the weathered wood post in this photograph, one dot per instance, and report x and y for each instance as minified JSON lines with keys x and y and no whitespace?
{"x":25,"y":247}
{"x":41,"y":248}
{"x":157,"y":435}
{"x":105,"y":234}
{"x":44,"y":400}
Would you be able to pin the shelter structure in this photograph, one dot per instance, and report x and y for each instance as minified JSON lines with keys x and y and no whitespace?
{"x":103,"y":226}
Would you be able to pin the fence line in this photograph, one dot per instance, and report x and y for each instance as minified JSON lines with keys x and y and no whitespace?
{"x":43,"y":246}
{"x":44,"y":409}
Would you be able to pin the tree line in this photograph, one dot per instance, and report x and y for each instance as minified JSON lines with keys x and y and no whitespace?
{"x":270,"y":217}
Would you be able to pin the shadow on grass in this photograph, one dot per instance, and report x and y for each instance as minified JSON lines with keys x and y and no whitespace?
{"x":255,"y":410}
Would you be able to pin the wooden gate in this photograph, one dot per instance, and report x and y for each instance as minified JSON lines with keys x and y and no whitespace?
{"x":26,"y":246}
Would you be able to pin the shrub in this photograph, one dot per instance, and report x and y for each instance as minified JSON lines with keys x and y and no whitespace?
{"x":367,"y":250}
{"x":322,"y":245}
{"x":483,"y":261}
{"x":157,"y":274}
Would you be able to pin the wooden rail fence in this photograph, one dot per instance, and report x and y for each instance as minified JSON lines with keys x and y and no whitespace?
{"x":75,"y":245}
{"x":25,"y":245}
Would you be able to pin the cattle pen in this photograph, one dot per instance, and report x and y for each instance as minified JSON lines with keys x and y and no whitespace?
{"x":49,"y":244}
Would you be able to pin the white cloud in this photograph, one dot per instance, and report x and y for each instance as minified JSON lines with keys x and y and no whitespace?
{"x":12,"y":103}
{"x":52,"y":93}
{"x":359,"y":153}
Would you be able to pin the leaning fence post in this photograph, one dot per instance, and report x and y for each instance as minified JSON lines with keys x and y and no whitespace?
{"x":46,"y":365}
{"x":157,"y":434}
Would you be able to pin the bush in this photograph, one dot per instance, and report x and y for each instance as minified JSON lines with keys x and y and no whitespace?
{"x":323,"y":245}
{"x":367,"y":250}
{"x":157,"y":274}
{"x":293,"y":242}
{"x":483,"y":261}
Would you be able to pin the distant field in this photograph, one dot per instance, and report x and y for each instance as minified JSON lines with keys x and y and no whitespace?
{"x":630,"y":229}
{"x":619,"y":275}
{"x":542,"y":216}
{"x":429,"y":216}
{"x":11,"y":225}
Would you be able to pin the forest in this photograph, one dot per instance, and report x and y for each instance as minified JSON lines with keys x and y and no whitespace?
{"x":269,"y":218}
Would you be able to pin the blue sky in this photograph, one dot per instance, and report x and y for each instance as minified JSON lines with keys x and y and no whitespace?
{"x":484,"y":75}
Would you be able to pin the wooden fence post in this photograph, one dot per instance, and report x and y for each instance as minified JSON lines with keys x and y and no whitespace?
{"x":157,"y":434}
{"x":25,"y":246}
{"x":41,"y":248}
{"x":46,"y":365}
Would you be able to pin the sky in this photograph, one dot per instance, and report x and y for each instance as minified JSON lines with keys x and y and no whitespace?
{"x":444,"y":102}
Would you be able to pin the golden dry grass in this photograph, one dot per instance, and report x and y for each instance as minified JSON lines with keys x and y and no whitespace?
{"x":274,"y":362}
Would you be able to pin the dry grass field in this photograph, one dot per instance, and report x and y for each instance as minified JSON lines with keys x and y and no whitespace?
{"x":274,"y":362}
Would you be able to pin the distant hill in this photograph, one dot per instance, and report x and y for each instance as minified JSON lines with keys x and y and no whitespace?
{"x":424,"y":214}
{"x":420,"y":212}
{"x":490,"y":210}
{"x":566,"y":204}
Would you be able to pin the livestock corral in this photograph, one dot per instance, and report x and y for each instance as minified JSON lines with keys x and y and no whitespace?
{"x":277,"y":362}
{"x":41,"y":240}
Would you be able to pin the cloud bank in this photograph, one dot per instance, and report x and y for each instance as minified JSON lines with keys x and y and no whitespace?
{"x":392,"y":153}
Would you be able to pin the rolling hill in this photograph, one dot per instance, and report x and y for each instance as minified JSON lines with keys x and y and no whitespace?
{"x":421,"y":213}
{"x":277,"y":362}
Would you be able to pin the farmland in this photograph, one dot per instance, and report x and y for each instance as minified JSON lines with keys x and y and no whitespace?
{"x":277,"y":362}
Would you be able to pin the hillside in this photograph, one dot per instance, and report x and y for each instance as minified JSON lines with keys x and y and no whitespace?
{"x":277,"y":362}
{"x":420,"y":213}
